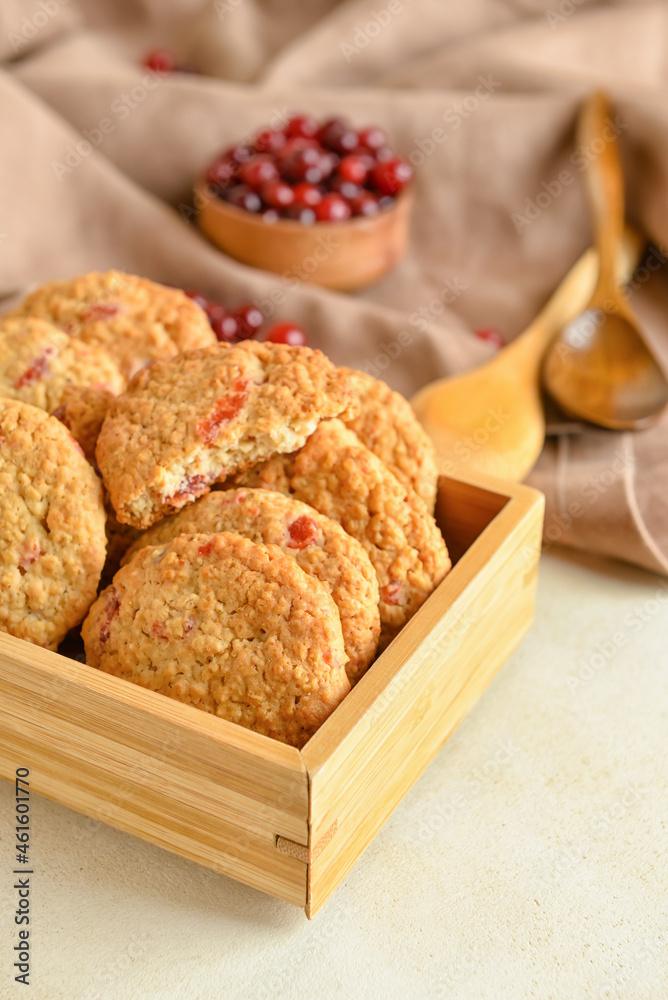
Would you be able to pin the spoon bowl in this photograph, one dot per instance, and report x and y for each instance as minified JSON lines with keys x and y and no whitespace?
{"x":633,"y":392}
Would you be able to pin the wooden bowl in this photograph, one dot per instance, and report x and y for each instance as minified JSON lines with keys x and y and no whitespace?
{"x":340,"y":255}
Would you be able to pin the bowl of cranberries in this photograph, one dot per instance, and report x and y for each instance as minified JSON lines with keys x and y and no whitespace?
{"x":315,"y":201}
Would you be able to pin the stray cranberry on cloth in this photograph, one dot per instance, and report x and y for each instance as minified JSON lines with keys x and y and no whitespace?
{"x":101,"y":148}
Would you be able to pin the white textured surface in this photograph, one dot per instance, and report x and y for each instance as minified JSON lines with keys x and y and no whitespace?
{"x":530,"y":860}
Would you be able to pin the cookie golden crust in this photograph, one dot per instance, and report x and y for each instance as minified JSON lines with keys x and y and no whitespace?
{"x":388,"y":427}
{"x":189,"y":422}
{"x":338,"y":476}
{"x":82,"y":410}
{"x":52,"y":540}
{"x":318,"y":545}
{"x":38,"y":362}
{"x":134,"y":319}
{"x":231,"y":627}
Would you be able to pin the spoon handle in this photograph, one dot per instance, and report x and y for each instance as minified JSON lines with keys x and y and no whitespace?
{"x":574,"y":293}
{"x":597,"y":139}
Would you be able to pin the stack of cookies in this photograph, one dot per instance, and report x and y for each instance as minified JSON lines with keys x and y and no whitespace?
{"x":272,"y":512}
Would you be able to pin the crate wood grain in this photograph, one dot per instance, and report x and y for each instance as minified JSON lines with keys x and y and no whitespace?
{"x":154,"y":767}
{"x":288,"y":822}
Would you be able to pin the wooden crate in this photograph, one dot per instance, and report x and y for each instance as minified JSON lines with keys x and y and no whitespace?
{"x":288,"y":822}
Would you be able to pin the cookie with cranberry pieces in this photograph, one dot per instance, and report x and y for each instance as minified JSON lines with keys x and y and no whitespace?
{"x":82,"y":409}
{"x":52,"y":538}
{"x":134,"y":319}
{"x":229,"y":626}
{"x":319,"y":545}
{"x":186,"y":423}
{"x":38,"y":362}
{"x":387,"y":425}
{"x":338,"y":476}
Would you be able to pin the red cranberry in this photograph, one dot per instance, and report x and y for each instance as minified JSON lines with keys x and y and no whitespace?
{"x":226,"y":328}
{"x":338,"y":136}
{"x":270,"y":217}
{"x":328,"y":164}
{"x":221,"y":172}
{"x":240,"y":154}
{"x":302,"y":532}
{"x":301,"y":125}
{"x":314,"y":175}
{"x":387,"y":201}
{"x":287,"y":333}
{"x":492,"y":335}
{"x":214,"y":311}
{"x":302,"y":165}
{"x":278,"y":194}
{"x":269,"y":141}
{"x":197,"y":297}
{"x":243,"y":197}
{"x":392,"y":176}
{"x":293,"y":146}
{"x":160,"y":61}
{"x":258,"y":171}
{"x":346,"y":189}
{"x":299,"y":213}
{"x":365,"y":204}
{"x":307,"y":195}
{"x":366,"y":156}
{"x":353,"y":168}
{"x":332,"y":208}
{"x":372,"y":137}
{"x":250,"y":320}
{"x":384,"y":154}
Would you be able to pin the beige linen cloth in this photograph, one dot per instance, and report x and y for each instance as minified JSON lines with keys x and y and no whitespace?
{"x":97,"y":159}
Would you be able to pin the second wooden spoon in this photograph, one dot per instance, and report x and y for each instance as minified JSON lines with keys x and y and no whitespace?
{"x":600,"y":368}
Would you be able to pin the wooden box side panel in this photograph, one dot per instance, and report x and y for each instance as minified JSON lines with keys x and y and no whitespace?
{"x":399,"y":718}
{"x":463,"y":511}
{"x":164,"y":772}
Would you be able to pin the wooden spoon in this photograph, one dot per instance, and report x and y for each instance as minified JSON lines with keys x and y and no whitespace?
{"x":491,"y":419}
{"x":600,"y":368}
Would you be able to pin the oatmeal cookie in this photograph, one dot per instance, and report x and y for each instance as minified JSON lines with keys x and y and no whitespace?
{"x":52,"y":541}
{"x":274,"y":474}
{"x":338,"y":476}
{"x":388,"y":427}
{"x":231,"y":627}
{"x":38,"y":362}
{"x":189,"y":422}
{"x":319,"y":545}
{"x":134,"y":319}
{"x":82,"y":409}
{"x":119,"y":539}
